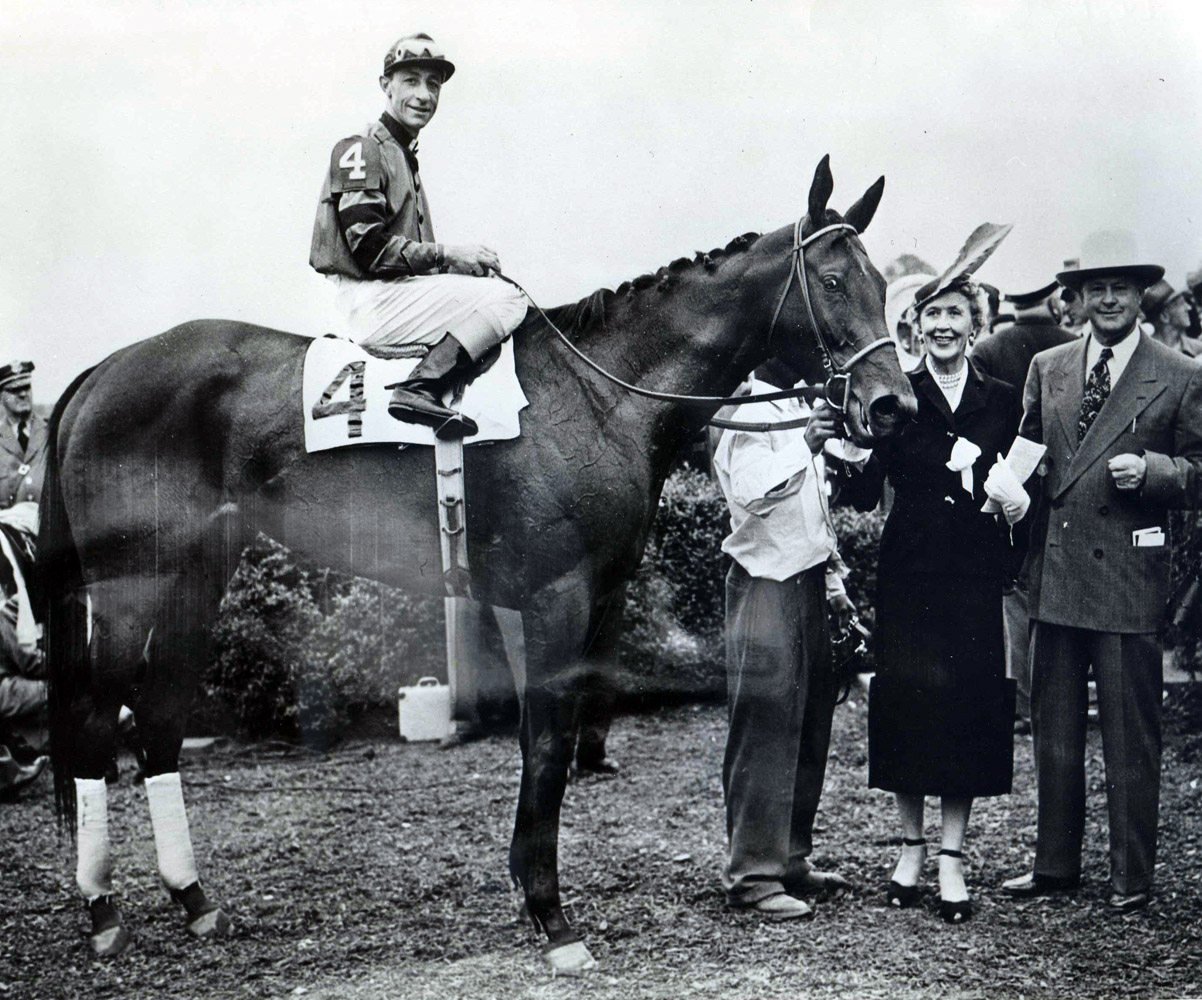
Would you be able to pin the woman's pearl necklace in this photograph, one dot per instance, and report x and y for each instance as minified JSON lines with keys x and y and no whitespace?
{"x":948,"y":381}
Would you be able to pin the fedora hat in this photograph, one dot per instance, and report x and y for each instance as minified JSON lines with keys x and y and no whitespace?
{"x":1157,"y":297}
{"x":1145,"y":275}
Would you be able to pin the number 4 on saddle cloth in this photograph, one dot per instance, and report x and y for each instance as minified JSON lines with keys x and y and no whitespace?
{"x":346,"y":403}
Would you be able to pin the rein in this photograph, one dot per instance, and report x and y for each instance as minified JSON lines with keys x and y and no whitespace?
{"x":835,"y":371}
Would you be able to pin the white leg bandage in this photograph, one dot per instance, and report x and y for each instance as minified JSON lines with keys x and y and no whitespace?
{"x":94,"y":864}
{"x":172,"y":841}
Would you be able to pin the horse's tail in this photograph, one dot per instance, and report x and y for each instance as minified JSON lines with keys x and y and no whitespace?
{"x":60,"y":598}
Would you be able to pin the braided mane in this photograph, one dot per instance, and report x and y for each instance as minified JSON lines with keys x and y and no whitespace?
{"x":580,"y":317}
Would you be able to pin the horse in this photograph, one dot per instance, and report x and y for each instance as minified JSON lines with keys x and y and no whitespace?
{"x":171,"y":454}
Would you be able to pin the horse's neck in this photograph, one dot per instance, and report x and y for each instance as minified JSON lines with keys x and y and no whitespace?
{"x":698,"y":337}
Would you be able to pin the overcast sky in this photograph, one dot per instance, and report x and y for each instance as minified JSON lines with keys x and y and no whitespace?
{"x":161,"y":160}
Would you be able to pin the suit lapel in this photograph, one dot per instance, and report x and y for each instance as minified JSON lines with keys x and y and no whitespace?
{"x":1066,"y":385}
{"x":1137,"y":387}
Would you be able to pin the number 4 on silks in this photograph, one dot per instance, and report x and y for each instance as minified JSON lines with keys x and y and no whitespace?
{"x":353,"y":406}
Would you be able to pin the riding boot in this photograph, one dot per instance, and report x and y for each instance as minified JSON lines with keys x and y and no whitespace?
{"x":419,"y":398}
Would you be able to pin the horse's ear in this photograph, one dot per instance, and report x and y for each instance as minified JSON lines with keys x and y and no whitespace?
{"x":861,"y":213}
{"x":820,"y":191}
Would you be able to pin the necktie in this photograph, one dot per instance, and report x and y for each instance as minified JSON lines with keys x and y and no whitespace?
{"x":23,"y":434}
{"x":1097,"y":388}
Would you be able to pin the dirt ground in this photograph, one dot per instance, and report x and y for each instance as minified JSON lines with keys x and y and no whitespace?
{"x":379,"y":871}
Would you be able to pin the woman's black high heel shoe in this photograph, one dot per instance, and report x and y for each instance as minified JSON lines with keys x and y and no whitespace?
{"x":959,"y":912}
{"x":900,"y":895}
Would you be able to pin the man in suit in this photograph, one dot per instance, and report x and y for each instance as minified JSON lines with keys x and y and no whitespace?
{"x":1006,"y":354}
{"x":1121,"y":416}
{"x":22,"y":437}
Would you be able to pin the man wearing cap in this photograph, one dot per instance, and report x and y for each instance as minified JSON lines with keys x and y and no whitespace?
{"x":1028,"y":323}
{"x":374,"y":238}
{"x":1121,"y":416}
{"x":1032,"y":326}
{"x":1169,"y":313}
{"x":22,"y":437}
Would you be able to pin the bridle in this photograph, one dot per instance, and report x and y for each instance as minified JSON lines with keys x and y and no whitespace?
{"x":838,"y":382}
{"x":836,"y":372}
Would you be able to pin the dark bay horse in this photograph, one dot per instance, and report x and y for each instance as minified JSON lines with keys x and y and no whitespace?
{"x":170,"y":455}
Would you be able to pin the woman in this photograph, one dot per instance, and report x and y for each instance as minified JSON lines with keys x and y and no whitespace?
{"x":941,"y":712}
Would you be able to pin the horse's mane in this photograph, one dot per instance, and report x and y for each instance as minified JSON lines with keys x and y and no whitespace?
{"x":580,"y":317}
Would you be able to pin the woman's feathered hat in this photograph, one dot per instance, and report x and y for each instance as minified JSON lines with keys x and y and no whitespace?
{"x":976,"y":250}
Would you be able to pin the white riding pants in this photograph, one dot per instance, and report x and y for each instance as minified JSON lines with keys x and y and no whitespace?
{"x":479,"y":312}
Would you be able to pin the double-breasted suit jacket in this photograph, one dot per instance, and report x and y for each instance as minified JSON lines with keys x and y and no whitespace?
{"x":1085,"y":572}
{"x":21,"y":470}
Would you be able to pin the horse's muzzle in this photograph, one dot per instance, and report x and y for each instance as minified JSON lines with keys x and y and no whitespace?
{"x":887,"y":414}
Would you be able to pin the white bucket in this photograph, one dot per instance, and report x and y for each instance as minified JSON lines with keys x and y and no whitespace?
{"x":424,"y":710}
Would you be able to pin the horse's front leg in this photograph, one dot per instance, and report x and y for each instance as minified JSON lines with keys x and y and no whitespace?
{"x":547,"y":741}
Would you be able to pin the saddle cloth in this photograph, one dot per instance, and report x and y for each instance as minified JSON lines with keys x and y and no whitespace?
{"x":345,"y":402}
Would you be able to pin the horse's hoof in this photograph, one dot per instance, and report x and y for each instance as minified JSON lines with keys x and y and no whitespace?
{"x":109,"y":942}
{"x":572,"y":959}
{"x":214,"y":924}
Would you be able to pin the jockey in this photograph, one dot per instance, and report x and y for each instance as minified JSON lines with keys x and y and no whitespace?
{"x":374,"y":239}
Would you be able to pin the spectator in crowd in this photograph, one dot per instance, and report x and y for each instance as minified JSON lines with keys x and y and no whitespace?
{"x":940,"y":708}
{"x":1006,"y":355}
{"x":1193,"y":282}
{"x":1072,"y":311}
{"x":22,"y":437}
{"x":1121,"y":416}
{"x":780,"y":681}
{"x":992,"y":311}
{"x":1169,"y":313}
{"x":22,"y":670}
{"x":899,"y":296}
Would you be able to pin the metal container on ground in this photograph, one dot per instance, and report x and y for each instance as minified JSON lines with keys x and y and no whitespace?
{"x":424,"y":710}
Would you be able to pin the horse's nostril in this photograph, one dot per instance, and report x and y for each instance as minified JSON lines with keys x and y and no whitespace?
{"x":885,"y":408}
{"x":888,"y":411}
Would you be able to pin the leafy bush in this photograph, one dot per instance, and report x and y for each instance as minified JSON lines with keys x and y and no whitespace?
{"x":300,"y":652}
{"x":303,"y":652}
{"x":672,"y":646}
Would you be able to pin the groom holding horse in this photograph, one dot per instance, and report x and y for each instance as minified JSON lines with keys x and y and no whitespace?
{"x":374,"y":239}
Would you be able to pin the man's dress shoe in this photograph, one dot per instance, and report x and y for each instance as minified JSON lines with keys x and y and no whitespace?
{"x":1033,"y":884}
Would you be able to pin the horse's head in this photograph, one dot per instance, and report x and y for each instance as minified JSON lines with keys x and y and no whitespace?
{"x":831,"y":326}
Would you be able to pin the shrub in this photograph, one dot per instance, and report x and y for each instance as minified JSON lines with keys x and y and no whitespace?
{"x":300,"y":652}
{"x":303,"y":652}
{"x":672,"y":645}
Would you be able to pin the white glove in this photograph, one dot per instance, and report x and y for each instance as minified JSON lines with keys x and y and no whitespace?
{"x":1003,"y":487}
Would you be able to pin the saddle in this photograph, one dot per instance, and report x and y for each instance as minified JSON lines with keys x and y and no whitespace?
{"x":344,"y":396}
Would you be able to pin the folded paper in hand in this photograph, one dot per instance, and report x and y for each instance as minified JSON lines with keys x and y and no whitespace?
{"x":1024,"y":455}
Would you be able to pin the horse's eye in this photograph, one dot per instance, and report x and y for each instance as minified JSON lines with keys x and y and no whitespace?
{"x":830,"y":283}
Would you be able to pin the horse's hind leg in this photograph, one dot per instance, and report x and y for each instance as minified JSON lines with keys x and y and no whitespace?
{"x":93,"y":866}
{"x":176,"y":655}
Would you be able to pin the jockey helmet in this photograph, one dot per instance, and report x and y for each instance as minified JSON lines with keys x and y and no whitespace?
{"x":417,"y":50}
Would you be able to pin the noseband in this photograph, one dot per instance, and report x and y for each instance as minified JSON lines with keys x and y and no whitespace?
{"x":836,"y":372}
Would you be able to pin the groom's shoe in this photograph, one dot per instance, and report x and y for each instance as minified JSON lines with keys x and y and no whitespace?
{"x":1127,"y":902}
{"x":1033,"y":884}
